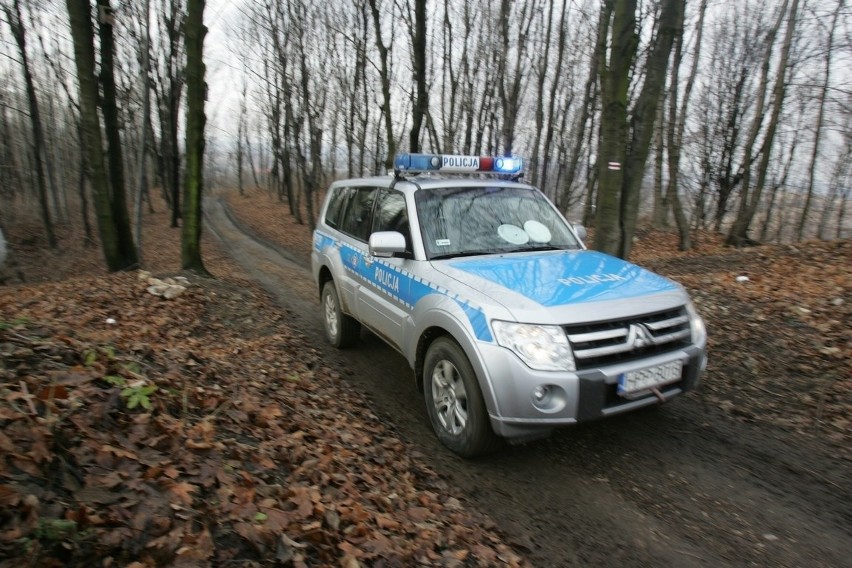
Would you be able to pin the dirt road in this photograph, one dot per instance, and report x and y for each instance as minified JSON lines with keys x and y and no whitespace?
{"x":680,"y":485}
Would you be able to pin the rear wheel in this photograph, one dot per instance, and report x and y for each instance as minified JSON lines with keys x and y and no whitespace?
{"x":454,"y":401}
{"x":340,"y":329}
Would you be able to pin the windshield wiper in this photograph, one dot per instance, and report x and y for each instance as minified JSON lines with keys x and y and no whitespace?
{"x":463,"y":253}
{"x":539,"y":248}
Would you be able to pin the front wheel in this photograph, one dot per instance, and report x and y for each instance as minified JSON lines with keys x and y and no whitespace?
{"x":454,"y":401}
{"x":340,"y":329}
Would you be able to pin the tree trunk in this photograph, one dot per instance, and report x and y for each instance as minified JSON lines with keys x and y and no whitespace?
{"x":660,"y":213}
{"x":142,"y":174}
{"x":823,"y":95}
{"x":196,"y":93}
{"x":116,"y":254}
{"x":14,"y":19}
{"x":13,"y":16}
{"x":384,"y":76}
{"x":839,"y":189}
{"x":420,"y":102}
{"x":510,"y":81}
{"x":644,"y":115}
{"x":777,"y":187}
{"x":539,"y":164}
{"x":677,"y":125}
{"x":624,"y":147}
{"x":241,"y":133}
{"x":88,"y":239}
{"x":550,"y":127}
{"x":170,"y":78}
{"x":112,"y":129}
{"x":738,"y":235}
{"x":615,"y":85}
{"x":250,"y":156}
{"x":579,"y":131}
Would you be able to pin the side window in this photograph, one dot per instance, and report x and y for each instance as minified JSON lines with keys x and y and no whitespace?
{"x":337,"y":205}
{"x":356,"y":220}
{"x":391,"y":215}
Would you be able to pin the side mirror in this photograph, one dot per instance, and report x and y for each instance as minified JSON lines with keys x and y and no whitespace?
{"x":385,"y":244}
{"x":580,"y":230}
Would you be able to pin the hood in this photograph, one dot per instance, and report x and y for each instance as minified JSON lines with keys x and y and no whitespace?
{"x":554,"y":279}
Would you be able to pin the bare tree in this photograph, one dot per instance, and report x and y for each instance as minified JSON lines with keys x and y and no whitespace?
{"x":110,"y":201}
{"x":840,"y":187}
{"x":196,"y":93}
{"x":677,"y":125}
{"x":549,"y":118}
{"x":511,"y":78}
{"x":738,"y":43}
{"x":169,"y":74}
{"x":750,"y":199}
{"x":586,"y":110}
{"x":420,"y":96}
{"x":13,"y":17}
{"x":820,"y":120}
{"x":142,"y":173}
{"x":625,"y":137}
{"x":544,"y":20}
{"x":385,"y":78}
{"x":242,"y":126}
{"x":313,"y":99}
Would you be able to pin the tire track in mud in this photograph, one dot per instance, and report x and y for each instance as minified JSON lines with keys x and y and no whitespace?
{"x":680,"y":485}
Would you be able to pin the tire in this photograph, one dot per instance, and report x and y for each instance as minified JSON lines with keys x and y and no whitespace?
{"x":341,"y":330}
{"x":454,"y":401}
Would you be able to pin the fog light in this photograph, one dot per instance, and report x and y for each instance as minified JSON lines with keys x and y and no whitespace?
{"x":548,"y":398}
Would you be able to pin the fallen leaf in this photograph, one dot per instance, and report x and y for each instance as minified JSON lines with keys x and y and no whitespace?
{"x":182,"y":490}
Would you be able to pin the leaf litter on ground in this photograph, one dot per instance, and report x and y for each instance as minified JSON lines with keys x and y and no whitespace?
{"x":245,"y":450}
{"x":199,"y":430}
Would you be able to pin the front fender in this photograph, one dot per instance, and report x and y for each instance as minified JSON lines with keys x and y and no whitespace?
{"x":466,"y":324}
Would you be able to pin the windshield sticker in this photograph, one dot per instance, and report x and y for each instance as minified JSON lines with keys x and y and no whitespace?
{"x":538,"y":232}
{"x":513,"y":234}
{"x":443,"y":242}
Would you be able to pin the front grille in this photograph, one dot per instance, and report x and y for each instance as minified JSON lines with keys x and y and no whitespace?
{"x":604,"y":343}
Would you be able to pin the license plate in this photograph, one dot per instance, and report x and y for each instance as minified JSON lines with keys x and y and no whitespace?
{"x":633,"y":382}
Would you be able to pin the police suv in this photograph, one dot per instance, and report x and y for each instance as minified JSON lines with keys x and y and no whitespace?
{"x":512,"y":327}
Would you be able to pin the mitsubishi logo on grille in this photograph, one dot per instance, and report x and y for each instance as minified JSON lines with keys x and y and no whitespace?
{"x":638,"y":336}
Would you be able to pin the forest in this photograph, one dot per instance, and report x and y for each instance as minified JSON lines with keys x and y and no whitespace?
{"x":149,"y":419}
{"x":689,"y":115}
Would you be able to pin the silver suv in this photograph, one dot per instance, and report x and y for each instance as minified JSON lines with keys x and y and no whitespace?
{"x":512,"y":327}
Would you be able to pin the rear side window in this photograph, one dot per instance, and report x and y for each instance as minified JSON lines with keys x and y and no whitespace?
{"x":337,"y":205}
{"x":357,"y":218}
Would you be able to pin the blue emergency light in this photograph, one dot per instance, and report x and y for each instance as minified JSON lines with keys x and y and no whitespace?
{"x":456,"y":164}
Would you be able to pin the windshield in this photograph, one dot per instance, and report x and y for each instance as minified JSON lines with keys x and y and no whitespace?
{"x":459,"y":221}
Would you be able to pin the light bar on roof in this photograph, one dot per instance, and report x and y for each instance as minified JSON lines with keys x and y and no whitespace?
{"x":456,"y":164}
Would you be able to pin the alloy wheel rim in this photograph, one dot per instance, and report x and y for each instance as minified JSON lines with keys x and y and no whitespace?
{"x":449,"y":397}
{"x":330,"y":315}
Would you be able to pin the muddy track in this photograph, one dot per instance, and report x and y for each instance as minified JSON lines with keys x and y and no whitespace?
{"x":679,"y":485}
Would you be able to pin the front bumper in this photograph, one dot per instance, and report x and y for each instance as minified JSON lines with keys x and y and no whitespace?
{"x":518,"y":410}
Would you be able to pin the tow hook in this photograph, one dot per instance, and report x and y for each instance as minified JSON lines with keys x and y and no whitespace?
{"x":658,"y":394}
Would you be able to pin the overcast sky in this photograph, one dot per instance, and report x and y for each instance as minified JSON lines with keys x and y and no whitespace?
{"x":221,"y":74}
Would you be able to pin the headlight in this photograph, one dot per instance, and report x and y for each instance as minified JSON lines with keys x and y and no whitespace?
{"x":696,"y":326}
{"x":542,"y":347}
